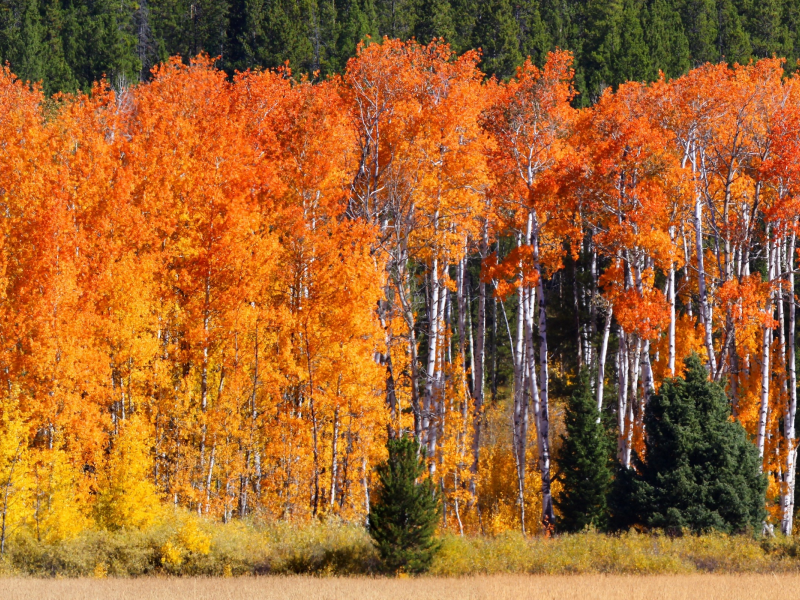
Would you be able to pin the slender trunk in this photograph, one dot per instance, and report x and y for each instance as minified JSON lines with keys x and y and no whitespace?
{"x":622,"y":401}
{"x":478,"y":369}
{"x":6,"y":494}
{"x":671,"y":284}
{"x":601,"y":363}
{"x":543,"y":414}
{"x":334,"y":458}
{"x":766,"y":343}
{"x":391,"y":388}
{"x":576,"y":307}
{"x":705,"y":312}
{"x":787,"y":495}
{"x":433,"y":339}
{"x":520,"y":417}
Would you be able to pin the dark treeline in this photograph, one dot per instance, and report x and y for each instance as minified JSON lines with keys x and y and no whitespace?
{"x":68,"y":44}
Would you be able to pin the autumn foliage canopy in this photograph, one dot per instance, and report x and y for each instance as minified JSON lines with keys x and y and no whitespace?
{"x":225,"y":295}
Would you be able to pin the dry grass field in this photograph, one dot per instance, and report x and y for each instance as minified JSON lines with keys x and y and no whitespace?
{"x":502,"y":587}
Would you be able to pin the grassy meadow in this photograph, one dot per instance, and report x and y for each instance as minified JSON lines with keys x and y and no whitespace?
{"x":500,"y":587}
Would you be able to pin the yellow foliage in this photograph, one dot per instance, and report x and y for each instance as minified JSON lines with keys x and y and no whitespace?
{"x":171,"y":555}
{"x":58,"y":502}
{"x":100,"y":571}
{"x":128,"y":499}
{"x":193,"y":538}
{"x":15,"y":481}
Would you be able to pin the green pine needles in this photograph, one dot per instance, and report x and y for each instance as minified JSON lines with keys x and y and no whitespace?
{"x":584,"y":463}
{"x":700,"y":471}
{"x":403,"y":518}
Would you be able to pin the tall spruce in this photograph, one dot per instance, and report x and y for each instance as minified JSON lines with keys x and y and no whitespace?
{"x":700,"y":471}
{"x":584,"y":463}
{"x":434,"y":19}
{"x":631,"y":56}
{"x":700,"y":25}
{"x":21,"y":39}
{"x":666,"y":39}
{"x":769,"y":34}
{"x":403,"y":517}
{"x":534,"y":39}
{"x":733,"y":41}
{"x":496,"y":34}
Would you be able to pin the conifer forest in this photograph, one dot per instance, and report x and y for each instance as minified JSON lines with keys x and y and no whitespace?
{"x":227,"y":281}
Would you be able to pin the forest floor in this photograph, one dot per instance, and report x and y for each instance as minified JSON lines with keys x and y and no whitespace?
{"x":500,"y":587}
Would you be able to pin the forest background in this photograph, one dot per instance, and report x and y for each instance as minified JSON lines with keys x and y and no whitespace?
{"x":223,"y":292}
{"x":71,"y":44}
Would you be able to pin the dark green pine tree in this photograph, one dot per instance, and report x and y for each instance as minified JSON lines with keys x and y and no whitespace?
{"x":700,"y":471}
{"x":598,"y":53}
{"x":561,"y":18}
{"x":98,"y":40}
{"x":357,"y":20}
{"x":21,"y":39}
{"x":57,"y":74}
{"x":464,"y":13}
{"x":497,"y":35}
{"x":733,"y":42}
{"x":631,"y":57}
{"x":700,"y":25}
{"x":768,"y":32}
{"x":279,"y":31}
{"x":790,"y":17}
{"x":584,"y":463}
{"x":534,"y":40}
{"x":396,"y":18}
{"x":669,"y":47}
{"x":434,"y":19}
{"x":188,"y":27}
{"x":403,"y":516}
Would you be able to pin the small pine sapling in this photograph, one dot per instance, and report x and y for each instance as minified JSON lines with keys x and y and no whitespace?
{"x":403,"y":518}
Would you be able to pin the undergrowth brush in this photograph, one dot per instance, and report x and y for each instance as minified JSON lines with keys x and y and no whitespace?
{"x":185,"y":545}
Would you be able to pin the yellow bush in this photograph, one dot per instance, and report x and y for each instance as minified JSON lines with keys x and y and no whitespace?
{"x":171,"y":555}
{"x":193,"y":538}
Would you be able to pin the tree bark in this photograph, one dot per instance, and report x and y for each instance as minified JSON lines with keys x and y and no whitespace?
{"x":787,"y":491}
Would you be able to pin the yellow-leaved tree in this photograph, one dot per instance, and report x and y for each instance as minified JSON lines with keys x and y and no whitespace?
{"x":128,"y":498}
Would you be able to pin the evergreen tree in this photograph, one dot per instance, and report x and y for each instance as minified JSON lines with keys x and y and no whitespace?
{"x":496,"y":34}
{"x":58,"y":76}
{"x":402,"y":520}
{"x":584,"y":463}
{"x":602,"y":29}
{"x":21,"y":39}
{"x":768,"y":33}
{"x":434,"y":19}
{"x":732,"y":41}
{"x":464,"y":13}
{"x":700,"y":25}
{"x":700,"y":471}
{"x":188,"y":27}
{"x":534,"y":40}
{"x":357,"y":19}
{"x":666,"y":39}
{"x":396,"y":18}
{"x":791,"y":19}
{"x":631,"y":58}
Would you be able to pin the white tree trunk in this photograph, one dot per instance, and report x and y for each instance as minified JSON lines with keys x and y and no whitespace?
{"x":787,"y":492}
{"x":601,"y":364}
{"x":766,"y":343}
{"x":705,"y":312}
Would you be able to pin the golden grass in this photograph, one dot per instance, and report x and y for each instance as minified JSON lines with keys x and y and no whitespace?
{"x":503,"y":587}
